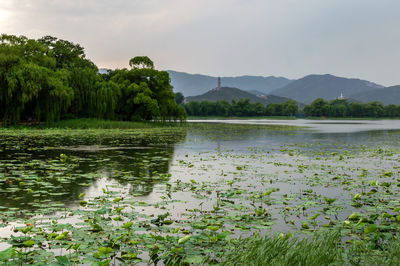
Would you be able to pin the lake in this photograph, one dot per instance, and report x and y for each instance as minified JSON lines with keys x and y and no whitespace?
{"x":214,"y":180}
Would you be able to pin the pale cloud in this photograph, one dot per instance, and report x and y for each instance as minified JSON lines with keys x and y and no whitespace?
{"x":291,"y":38}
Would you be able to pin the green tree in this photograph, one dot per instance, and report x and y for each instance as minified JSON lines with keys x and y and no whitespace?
{"x":193,"y":108}
{"x":256,"y":109}
{"x":207,"y":108}
{"x":223,"y":108}
{"x":289,"y":108}
{"x":30,"y":83}
{"x":374,"y":109}
{"x":392,"y":110}
{"x":274,"y":109}
{"x":319,"y":107}
{"x":179,"y":97}
{"x":141,"y":62}
{"x":356,"y":109}
{"x":242,"y":107}
{"x":66,"y":53}
{"x":146,"y":94}
{"x":49,"y":78}
{"x":104,"y":100}
{"x":338,"y":108}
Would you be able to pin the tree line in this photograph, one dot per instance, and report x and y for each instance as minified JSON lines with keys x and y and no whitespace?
{"x":49,"y":79}
{"x":343,"y":108}
{"x":241,"y":107}
{"x":338,"y":108}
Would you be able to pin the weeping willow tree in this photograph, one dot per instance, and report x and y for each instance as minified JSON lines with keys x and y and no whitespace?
{"x":45,"y":79}
{"x":104,"y":100}
{"x":88,"y":87}
{"x":48,"y":79}
{"x":31,"y":87}
{"x":55,"y":98}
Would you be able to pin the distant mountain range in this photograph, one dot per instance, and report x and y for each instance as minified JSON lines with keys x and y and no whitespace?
{"x":258,"y":88}
{"x":325,"y":86}
{"x":195,"y":84}
{"x":229,"y":94}
{"x":388,"y":95}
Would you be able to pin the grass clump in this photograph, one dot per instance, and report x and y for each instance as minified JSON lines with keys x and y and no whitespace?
{"x":321,"y":249}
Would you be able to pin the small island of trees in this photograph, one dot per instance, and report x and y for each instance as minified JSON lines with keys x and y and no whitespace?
{"x":49,"y":79}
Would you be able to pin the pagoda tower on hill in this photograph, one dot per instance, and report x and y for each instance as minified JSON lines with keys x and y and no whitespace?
{"x":219,"y":84}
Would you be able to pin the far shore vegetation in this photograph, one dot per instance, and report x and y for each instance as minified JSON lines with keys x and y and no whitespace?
{"x":319,"y":108}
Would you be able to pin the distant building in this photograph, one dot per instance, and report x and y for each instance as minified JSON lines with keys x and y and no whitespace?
{"x":219,"y":84}
{"x":341,"y":97}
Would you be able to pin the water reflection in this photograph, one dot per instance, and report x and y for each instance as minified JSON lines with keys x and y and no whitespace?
{"x":39,"y":171}
{"x":35,"y":175}
{"x":326,"y":126}
{"x":225,"y":136}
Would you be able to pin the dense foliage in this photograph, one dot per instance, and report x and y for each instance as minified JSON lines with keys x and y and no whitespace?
{"x":242,"y":107}
{"x":318,"y":108}
{"x":48,"y":79}
{"x":343,"y":108}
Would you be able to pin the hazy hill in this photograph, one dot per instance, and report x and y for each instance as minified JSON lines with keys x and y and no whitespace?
{"x":389,"y":95}
{"x":195,"y":84}
{"x":229,"y":94}
{"x":324,"y":86}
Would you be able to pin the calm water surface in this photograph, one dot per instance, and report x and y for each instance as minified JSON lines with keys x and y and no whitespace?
{"x":258,"y":154}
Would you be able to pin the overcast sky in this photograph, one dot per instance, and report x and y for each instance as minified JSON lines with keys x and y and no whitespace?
{"x":290,"y":38}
